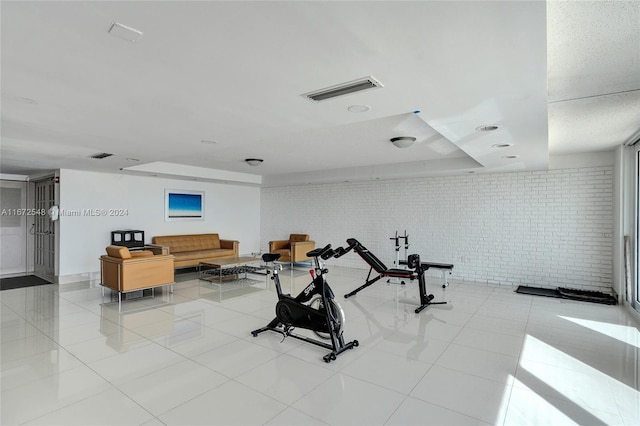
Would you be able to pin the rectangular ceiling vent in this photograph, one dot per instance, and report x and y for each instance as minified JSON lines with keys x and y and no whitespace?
{"x":101,"y":155}
{"x":359,"y":85}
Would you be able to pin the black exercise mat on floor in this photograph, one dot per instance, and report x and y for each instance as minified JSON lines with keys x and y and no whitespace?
{"x":587,"y":296}
{"x":537,"y":291}
{"x":23,"y":281}
{"x":569,"y":294}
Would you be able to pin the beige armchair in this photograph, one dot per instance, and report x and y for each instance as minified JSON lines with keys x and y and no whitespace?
{"x":124,"y":271}
{"x":294,"y":249}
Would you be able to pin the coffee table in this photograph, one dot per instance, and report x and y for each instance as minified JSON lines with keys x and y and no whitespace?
{"x":225,"y":275}
{"x":229,"y":269}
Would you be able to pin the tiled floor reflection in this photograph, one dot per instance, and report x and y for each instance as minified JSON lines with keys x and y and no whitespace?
{"x":69,"y":355}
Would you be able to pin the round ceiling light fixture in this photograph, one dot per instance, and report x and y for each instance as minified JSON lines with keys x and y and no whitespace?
{"x":487,"y":128}
{"x":403,"y":141}
{"x":254,"y":162}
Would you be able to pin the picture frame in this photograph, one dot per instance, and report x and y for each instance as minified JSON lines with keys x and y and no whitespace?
{"x":182,"y":205}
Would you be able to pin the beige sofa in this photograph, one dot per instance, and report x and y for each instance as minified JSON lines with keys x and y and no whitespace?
{"x":124,"y":271}
{"x":190,"y":250}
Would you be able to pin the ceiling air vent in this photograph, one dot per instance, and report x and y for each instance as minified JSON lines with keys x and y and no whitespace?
{"x":101,"y":155}
{"x":359,"y":85}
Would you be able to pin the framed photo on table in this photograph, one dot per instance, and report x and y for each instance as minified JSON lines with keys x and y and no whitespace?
{"x":183,"y":205}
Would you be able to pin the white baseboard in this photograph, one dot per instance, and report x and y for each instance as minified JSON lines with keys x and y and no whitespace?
{"x":74,"y":278}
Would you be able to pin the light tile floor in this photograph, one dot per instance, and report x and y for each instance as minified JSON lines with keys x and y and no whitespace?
{"x":490,"y":356}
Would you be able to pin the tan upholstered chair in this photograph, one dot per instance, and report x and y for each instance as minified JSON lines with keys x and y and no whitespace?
{"x":124,"y":271}
{"x":294,"y":249}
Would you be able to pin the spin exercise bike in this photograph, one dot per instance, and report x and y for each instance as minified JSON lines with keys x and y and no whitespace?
{"x":313,"y":309}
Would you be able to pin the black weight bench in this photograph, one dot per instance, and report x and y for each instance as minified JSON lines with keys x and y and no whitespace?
{"x":416,"y":271}
{"x":445,"y":268}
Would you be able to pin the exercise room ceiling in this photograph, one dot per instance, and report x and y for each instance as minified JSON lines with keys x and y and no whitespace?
{"x":209,"y":84}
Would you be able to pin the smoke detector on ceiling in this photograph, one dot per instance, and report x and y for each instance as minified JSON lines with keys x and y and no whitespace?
{"x":365,"y":83}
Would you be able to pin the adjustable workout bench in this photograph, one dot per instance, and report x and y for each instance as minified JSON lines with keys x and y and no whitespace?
{"x":416,"y":271}
{"x":443,"y":267}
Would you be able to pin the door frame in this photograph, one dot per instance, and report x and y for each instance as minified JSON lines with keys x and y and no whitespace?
{"x":25,"y":221}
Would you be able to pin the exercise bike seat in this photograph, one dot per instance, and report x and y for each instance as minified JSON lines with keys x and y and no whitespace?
{"x":270,"y":257}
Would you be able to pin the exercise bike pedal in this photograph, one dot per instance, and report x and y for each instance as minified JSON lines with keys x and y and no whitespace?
{"x":329,"y":357}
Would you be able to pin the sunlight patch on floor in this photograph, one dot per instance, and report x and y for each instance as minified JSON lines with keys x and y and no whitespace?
{"x":526,"y":407}
{"x":585,"y":386}
{"x":623,"y":333}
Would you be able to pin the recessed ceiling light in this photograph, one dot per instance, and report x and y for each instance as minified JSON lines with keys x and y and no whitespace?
{"x":487,"y":128}
{"x":510,"y":157}
{"x":501,"y":145}
{"x":124,"y":32}
{"x":133,"y":159}
{"x":359,"y":108}
{"x":208,"y":141}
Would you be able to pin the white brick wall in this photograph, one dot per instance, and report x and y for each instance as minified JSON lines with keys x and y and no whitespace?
{"x":545,"y":228}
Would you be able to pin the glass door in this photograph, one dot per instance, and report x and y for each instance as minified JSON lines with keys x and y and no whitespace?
{"x":44,"y":230}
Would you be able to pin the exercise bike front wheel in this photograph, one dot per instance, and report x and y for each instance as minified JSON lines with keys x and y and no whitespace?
{"x":335,"y":311}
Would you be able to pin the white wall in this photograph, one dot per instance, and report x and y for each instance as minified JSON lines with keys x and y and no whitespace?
{"x":629,"y":172}
{"x":546,"y":228}
{"x":230,"y":210}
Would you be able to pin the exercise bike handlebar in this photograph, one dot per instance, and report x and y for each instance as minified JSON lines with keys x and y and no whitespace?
{"x":321,"y":252}
{"x":328,"y":254}
{"x":341,"y":251}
